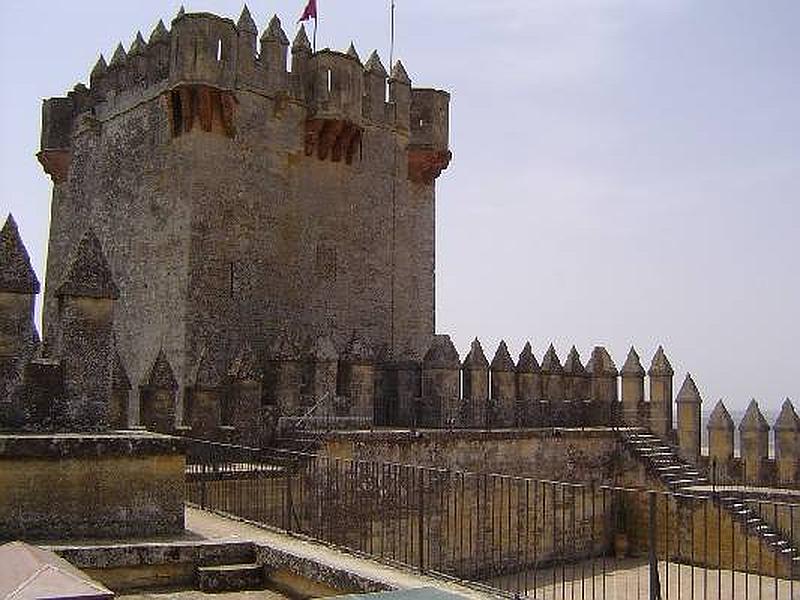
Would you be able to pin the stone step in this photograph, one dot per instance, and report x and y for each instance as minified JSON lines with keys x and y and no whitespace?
{"x":230,"y":578}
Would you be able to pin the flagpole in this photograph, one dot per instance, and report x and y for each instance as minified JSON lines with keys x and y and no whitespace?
{"x":316,"y":21}
{"x":391,"y":36}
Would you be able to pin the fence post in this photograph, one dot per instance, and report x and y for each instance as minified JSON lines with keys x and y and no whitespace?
{"x":655,"y":583}
{"x":421,"y":520}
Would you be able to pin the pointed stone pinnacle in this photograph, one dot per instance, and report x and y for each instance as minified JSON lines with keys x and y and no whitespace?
{"x":633,"y":365}
{"x":207,"y":375}
{"x":119,"y":57}
{"x":442,"y":354}
{"x":88,"y":274}
{"x":245,"y":366}
{"x":16,"y":273}
{"x":161,"y":374}
{"x":181,"y":12}
{"x":787,"y":419}
{"x":274,"y":32}
{"x":573,"y":365}
{"x":550,"y":362}
{"x":527,"y":362}
{"x":99,"y":69}
{"x":399,"y":74}
{"x":138,"y":46}
{"x":720,"y":418}
{"x":374,"y":65}
{"x":660,"y":366}
{"x":246,"y":22}
{"x":753,"y":419}
{"x":502,"y":361}
{"x":323,"y":350}
{"x":475,"y":359}
{"x":301,"y":43}
{"x":159,"y":34}
{"x":351,"y":52}
{"x":688,"y":391}
{"x":358,"y":350}
{"x":602,"y":363}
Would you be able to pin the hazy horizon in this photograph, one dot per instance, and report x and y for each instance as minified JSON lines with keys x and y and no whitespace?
{"x":624,"y":172}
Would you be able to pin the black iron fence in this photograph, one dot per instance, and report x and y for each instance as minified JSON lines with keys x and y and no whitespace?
{"x":520,"y":536}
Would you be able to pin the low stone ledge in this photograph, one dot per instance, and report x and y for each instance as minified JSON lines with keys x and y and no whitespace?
{"x":406,"y":435}
{"x":74,"y":445}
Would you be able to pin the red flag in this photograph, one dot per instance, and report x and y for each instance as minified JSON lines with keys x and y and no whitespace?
{"x":310,"y":11}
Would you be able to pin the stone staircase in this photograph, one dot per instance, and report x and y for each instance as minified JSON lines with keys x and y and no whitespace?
{"x":663,"y":463}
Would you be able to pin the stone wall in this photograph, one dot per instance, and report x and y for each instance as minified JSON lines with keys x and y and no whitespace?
{"x":62,"y":486}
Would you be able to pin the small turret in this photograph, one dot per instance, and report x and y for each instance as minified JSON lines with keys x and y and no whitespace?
{"x":322,"y":365}
{"x":552,"y":377}
{"x":475,"y":376}
{"x":576,"y":379}
{"x":529,"y":386}
{"x":247,"y":34}
{"x":661,"y":374}
{"x":375,"y":89}
{"x":787,"y":444}
{"x":301,"y":55}
{"x":203,"y":51}
{"x":357,"y":377}
{"x":137,"y":61}
{"x":689,"y":402}
{"x":754,"y":442}
{"x":400,"y":96}
{"x":116,"y":75}
{"x":274,"y":48}
{"x":440,"y":383}
{"x":18,"y":289}
{"x":97,"y":79}
{"x":352,"y":53}
{"x":244,"y":403}
{"x":284,"y":375}
{"x":504,"y":386}
{"x":158,"y":48}
{"x":158,"y":396}
{"x":205,"y":399}
{"x":86,"y":316}
{"x":632,"y":387}
{"x":720,"y":438}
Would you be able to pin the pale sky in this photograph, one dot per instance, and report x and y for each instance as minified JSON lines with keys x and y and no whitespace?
{"x":625,"y":172}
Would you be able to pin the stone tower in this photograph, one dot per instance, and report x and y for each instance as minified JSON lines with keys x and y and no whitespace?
{"x":235,"y":198}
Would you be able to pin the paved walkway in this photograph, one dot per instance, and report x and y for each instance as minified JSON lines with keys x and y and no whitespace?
{"x":215,"y":527}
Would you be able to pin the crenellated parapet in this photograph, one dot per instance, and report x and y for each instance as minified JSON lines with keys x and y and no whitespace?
{"x":200,"y":65}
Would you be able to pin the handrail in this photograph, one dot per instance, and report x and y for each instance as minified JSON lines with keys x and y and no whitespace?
{"x":310,"y":412}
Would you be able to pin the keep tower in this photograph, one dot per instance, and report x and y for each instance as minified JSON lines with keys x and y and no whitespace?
{"x":236,"y":198}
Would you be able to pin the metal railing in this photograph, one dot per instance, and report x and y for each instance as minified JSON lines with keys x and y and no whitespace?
{"x":521,"y":537}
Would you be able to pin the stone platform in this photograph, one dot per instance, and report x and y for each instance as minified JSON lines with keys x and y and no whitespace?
{"x":90,"y":485}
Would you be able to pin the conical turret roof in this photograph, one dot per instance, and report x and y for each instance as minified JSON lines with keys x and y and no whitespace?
{"x":88,"y":274}
{"x":358,"y":350}
{"x":753,"y":419}
{"x":573,"y":365}
{"x":323,"y":349}
{"x":502,"y":361}
{"x":138,"y":46}
{"x":301,"y":42}
{"x":161,"y":375}
{"x":442,"y":354}
{"x":352,"y":53}
{"x":246,"y":22}
{"x":159,"y":34}
{"x":720,"y":418}
{"x":16,"y":273}
{"x":244,"y":367}
{"x":688,"y":391}
{"x":99,"y":69}
{"x":550,"y":362}
{"x":602,"y":363}
{"x":527,"y":362}
{"x":787,"y":420}
{"x":374,"y":65}
{"x":274,"y":32}
{"x":399,"y":73}
{"x":119,"y":57}
{"x":633,"y":366}
{"x":660,"y":366}
{"x":207,"y":375}
{"x":475,"y":358}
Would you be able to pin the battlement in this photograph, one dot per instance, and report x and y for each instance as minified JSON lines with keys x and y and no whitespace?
{"x":204,"y":60}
